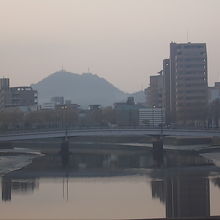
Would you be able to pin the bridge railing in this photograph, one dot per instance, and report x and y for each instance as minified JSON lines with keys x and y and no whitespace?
{"x":103,"y":129}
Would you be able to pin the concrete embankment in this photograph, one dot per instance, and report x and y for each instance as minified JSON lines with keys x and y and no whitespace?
{"x":14,"y":159}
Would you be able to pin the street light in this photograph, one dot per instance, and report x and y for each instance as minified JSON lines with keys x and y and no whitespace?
{"x":153,"y":114}
{"x":65,"y":119}
{"x":161,"y":119}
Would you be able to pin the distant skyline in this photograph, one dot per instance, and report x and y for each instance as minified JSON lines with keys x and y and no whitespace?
{"x":124,"y":41}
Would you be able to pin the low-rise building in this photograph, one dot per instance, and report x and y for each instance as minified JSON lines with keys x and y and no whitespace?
{"x":152,"y":117}
{"x":68,"y":106}
{"x":126,"y":113}
{"x":214,"y":92}
{"x":57,"y":100}
{"x":47,"y":106}
{"x":16,"y":96}
{"x":94,"y":107}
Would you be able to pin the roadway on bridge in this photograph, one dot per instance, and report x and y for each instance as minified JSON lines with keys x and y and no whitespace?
{"x":106,"y":132}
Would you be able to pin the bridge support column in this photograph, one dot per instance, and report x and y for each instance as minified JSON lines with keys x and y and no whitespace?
{"x":158,"y":151}
{"x":64,"y":152}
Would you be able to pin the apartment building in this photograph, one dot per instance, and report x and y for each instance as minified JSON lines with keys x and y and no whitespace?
{"x":16,"y":96}
{"x":188,"y":89}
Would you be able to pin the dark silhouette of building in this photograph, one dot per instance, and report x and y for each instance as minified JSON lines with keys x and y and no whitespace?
{"x":166,"y":90}
{"x":214,"y":92}
{"x":57,"y":100}
{"x":183,"y":196}
{"x":188,"y":82}
{"x":4,"y":83}
{"x":187,"y":197}
{"x":127,"y":113}
{"x":155,"y":91}
{"x":16,"y":96}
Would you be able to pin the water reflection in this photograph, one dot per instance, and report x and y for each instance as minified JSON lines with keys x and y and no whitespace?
{"x":185,"y":187}
{"x":216,"y":181}
{"x":182,"y":184}
{"x":183,"y":196}
{"x":13,"y":185}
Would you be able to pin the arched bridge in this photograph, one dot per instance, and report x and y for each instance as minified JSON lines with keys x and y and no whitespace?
{"x":24,"y":135}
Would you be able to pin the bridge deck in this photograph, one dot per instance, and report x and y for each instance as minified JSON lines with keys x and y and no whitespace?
{"x":106,"y":132}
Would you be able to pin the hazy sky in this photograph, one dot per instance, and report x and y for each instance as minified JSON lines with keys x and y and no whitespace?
{"x":123,"y":41}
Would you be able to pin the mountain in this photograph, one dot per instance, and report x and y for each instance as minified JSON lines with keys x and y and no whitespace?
{"x":82,"y":89}
{"x":139,"y":96}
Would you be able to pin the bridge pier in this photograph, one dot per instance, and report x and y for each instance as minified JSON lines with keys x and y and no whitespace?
{"x":64,"y":152}
{"x":158,"y":150}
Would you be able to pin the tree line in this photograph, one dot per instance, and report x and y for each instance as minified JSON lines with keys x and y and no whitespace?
{"x":58,"y":118}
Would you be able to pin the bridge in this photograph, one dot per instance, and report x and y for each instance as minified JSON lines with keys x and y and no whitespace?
{"x":25,"y":135}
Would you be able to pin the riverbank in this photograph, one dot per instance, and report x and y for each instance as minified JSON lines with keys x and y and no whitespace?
{"x":15,"y":158}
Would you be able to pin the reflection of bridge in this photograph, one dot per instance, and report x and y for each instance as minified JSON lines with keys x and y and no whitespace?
{"x":106,"y":132}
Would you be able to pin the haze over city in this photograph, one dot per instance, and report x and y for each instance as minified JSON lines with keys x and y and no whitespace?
{"x":123,"y":41}
{"x":109,"y":109}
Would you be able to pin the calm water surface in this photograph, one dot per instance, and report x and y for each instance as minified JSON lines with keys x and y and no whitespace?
{"x":112,"y":186}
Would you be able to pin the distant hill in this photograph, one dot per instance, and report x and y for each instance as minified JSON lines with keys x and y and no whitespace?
{"x":82,"y":89}
{"x":139,"y":97}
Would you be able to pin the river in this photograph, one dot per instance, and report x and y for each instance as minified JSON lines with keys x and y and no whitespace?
{"x":112,"y":185}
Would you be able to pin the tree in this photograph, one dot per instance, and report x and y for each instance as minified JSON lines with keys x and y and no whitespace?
{"x":11,"y":119}
{"x":109,"y":115}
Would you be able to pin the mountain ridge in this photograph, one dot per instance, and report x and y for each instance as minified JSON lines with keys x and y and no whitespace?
{"x":83,"y":89}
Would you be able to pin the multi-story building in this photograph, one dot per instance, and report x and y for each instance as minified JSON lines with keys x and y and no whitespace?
{"x":155,"y":91}
{"x":188,"y":82}
{"x":16,"y":96}
{"x":146,"y":93}
{"x":166,"y":90}
{"x":152,"y":117}
{"x":57,"y":100}
{"x":214,"y":92}
{"x":126,"y":113}
{"x":4,"y":83}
